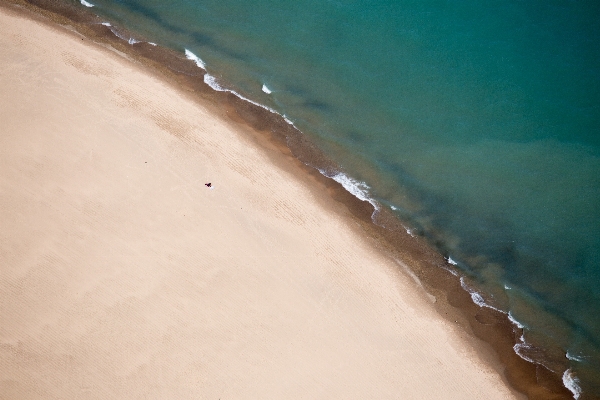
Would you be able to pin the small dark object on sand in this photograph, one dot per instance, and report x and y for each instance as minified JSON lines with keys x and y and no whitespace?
{"x":208,"y":184}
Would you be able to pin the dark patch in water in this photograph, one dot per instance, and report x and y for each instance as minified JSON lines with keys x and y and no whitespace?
{"x":317,"y":105}
{"x":496,"y":240}
{"x":198,"y":37}
{"x":355,"y":137}
{"x":295,"y":90}
{"x":150,"y":14}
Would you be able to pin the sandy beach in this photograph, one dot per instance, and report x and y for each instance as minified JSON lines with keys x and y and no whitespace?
{"x":124,"y":276}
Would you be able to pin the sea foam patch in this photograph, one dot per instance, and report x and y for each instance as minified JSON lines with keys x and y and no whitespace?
{"x":85,"y":3}
{"x":475,"y":295}
{"x":191,"y":56}
{"x":359,"y":189}
{"x":514,"y":321}
{"x":574,"y":357}
{"x":572,"y":383}
{"x":266,"y":89}
{"x":118,"y":34}
{"x":519,"y":347}
{"x":356,"y":188}
{"x":213,"y":83}
{"x":452,"y":271}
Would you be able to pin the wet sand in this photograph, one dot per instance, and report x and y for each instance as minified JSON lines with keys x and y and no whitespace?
{"x":125,"y":276}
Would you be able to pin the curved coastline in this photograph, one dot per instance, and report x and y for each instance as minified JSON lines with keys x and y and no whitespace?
{"x":455,"y":300}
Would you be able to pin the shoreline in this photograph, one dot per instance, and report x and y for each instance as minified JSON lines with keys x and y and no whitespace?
{"x":285,"y":145}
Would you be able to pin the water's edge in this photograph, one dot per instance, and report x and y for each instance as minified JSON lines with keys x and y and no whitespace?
{"x":456,"y":299}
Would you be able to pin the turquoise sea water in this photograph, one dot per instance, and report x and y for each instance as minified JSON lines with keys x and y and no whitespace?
{"x":478,"y":122}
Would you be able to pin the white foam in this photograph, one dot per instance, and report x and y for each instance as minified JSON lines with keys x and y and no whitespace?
{"x":214,"y":84}
{"x":475,"y":296}
{"x":360,"y":190}
{"x":574,"y":357}
{"x":356,"y":188}
{"x":477,"y":299}
{"x":191,"y":56}
{"x":394,"y":208}
{"x":409,"y":231}
{"x":515,"y":322}
{"x":507,"y":287}
{"x":517,"y":348}
{"x":129,"y":40}
{"x":453,"y":272}
{"x":120,"y":36}
{"x":116,"y":33}
{"x":85,"y":3}
{"x":572,"y":383}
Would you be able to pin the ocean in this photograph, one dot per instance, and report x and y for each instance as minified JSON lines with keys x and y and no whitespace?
{"x":476,"y":123}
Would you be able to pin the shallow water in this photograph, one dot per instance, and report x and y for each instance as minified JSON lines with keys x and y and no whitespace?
{"x":479,"y":122}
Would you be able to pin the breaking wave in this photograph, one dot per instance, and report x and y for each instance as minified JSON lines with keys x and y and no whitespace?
{"x":191,"y":56}
{"x":572,"y":383}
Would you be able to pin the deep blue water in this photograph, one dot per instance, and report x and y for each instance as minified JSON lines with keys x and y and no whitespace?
{"x":478,"y":121}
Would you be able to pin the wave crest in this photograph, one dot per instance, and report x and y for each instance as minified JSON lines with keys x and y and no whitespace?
{"x":191,"y":56}
{"x":572,"y":383}
{"x":475,"y":295}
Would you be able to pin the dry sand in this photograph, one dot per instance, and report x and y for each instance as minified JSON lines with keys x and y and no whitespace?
{"x":123,"y":276}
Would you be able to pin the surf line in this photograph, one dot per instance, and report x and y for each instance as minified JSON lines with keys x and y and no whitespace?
{"x":360,"y":190}
{"x":354,"y":187}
